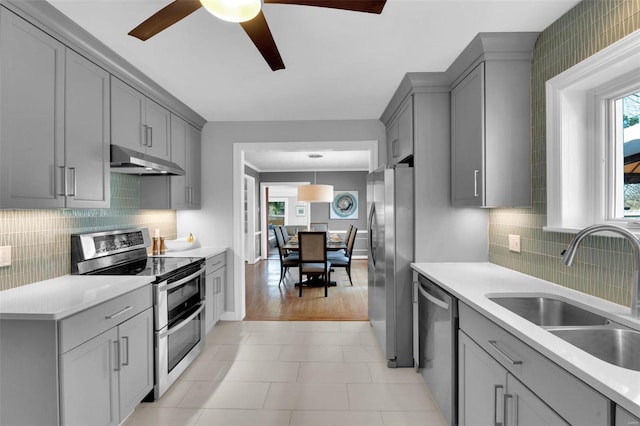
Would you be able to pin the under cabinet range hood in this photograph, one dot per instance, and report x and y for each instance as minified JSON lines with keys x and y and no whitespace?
{"x":128,"y":161}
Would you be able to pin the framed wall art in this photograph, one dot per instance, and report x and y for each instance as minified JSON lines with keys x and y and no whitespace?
{"x":344,"y":205}
{"x":301,"y":210}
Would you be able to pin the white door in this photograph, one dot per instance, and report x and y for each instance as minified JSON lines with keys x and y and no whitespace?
{"x":250,"y":219}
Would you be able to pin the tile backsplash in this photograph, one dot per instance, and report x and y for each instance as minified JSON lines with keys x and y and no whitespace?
{"x":604,"y":264}
{"x":40,"y":239}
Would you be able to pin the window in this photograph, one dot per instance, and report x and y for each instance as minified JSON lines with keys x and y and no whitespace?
{"x":626,"y":122}
{"x":277,"y":212}
{"x":591,"y":111}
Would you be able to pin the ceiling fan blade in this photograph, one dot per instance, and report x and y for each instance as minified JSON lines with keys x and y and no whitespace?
{"x":259,"y":32}
{"x":164,"y":18}
{"x":369,"y":6}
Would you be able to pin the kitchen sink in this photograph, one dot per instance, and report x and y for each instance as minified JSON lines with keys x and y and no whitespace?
{"x":547,"y":311}
{"x":616,"y":346}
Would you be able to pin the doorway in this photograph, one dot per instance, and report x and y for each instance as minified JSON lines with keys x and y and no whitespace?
{"x":239,"y":150}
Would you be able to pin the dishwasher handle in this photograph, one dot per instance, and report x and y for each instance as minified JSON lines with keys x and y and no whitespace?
{"x":433,"y":299}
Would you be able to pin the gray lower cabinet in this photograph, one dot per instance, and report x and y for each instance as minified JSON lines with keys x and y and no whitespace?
{"x":216,"y":282}
{"x":91,"y":368}
{"x":503,"y":381}
{"x":489,"y":395}
{"x":137,"y":122}
{"x":105,"y":378}
{"x":624,"y":418}
{"x":54,"y":115}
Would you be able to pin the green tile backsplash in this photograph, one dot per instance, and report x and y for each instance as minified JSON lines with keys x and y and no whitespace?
{"x":40,"y":239}
{"x":604,"y":265}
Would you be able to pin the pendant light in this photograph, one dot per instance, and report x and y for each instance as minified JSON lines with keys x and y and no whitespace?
{"x":233,"y":10}
{"x":315,"y":193}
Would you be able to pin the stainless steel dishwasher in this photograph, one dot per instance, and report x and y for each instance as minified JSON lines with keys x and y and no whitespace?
{"x":435,"y":343}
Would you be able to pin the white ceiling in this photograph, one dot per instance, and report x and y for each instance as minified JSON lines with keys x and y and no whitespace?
{"x":288,"y":161}
{"x":340,"y":64}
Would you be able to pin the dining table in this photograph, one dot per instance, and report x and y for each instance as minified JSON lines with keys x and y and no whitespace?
{"x":334,"y":243}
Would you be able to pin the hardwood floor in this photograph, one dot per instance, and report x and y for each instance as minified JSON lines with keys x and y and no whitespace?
{"x":265,"y":301}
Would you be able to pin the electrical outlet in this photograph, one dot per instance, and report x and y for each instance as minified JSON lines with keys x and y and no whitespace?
{"x":5,"y":255}
{"x":514,"y":243}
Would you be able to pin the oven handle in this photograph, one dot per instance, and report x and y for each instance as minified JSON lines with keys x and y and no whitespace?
{"x":169,"y":332}
{"x":166,"y":287}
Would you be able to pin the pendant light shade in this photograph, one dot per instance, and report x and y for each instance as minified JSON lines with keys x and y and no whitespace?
{"x":315,"y":193}
{"x":233,"y":10}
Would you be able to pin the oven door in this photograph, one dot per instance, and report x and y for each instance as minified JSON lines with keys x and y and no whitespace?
{"x":177,"y":346}
{"x":178,"y":295}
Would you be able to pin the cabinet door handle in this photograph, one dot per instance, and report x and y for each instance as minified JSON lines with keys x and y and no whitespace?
{"x":74,"y":186}
{"x":504,"y":355}
{"x":495,"y":405}
{"x":125,"y":343}
{"x":117,"y":314}
{"x":507,"y":396}
{"x":150,"y":141}
{"x":116,"y":349}
{"x":475,"y":182}
{"x":63,"y":174}
{"x":191,"y":194}
{"x":186,"y":194}
{"x":145,"y":134}
{"x":394,"y":148}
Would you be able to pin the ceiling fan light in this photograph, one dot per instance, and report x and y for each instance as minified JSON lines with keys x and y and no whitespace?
{"x":233,"y":10}
{"x":315,"y":193}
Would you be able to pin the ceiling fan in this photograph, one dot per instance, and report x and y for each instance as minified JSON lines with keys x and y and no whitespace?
{"x":249,"y":14}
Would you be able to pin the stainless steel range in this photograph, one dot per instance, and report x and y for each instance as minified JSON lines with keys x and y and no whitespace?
{"x":179,"y":293}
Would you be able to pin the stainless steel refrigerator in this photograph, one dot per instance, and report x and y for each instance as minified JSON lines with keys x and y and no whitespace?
{"x":391,"y":250}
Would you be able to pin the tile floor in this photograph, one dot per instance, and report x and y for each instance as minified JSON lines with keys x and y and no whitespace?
{"x":280,"y":373}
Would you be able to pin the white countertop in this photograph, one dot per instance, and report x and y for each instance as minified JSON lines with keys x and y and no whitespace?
{"x":471,"y":282}
{"x":61,"y":297}
{"x":205,"y":252}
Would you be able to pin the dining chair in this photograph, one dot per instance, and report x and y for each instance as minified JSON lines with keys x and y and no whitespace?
{"x":313,"y":258}
{"x":344,"y":261}
{"x":287,"y":260}
{"x":319,"y":226}
{"x":285,"y":233}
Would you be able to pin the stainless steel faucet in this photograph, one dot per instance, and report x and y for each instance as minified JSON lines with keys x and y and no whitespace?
{"x":569,"y":255}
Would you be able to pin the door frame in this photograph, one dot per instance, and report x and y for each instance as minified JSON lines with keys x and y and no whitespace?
{"x":239,"y":149}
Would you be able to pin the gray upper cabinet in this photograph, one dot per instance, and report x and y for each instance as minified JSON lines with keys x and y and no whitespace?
{"x":467,"y":125}
{"x":185,"y":151}
{"x":400,"y":133}
{"x":176,"y":192}
{"x":86,"y":127}
{"x":137,"y":122}
{"x":490,"y":121}
{"x":53,"y":122}
{"x":31,"y":115}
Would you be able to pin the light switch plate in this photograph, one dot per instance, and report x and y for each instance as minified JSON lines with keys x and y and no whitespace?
{"x":514,"y":243}
{"x":5,"y":256}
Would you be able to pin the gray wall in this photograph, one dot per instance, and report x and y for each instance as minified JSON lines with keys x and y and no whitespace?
{"x":341,"y":181}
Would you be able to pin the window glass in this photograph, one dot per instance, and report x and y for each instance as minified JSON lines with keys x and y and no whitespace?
{"x":628,"y":125}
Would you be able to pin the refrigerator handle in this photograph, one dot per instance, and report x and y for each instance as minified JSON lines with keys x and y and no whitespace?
{"x":372,"y":213}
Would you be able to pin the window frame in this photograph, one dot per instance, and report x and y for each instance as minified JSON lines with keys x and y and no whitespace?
{"x":580,"y":153}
